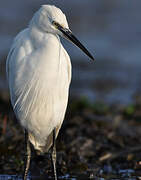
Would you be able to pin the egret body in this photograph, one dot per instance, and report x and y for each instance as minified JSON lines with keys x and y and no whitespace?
{"x":39,"y":74}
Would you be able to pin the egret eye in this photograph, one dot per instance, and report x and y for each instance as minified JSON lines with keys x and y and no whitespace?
{"x":55,"y":23}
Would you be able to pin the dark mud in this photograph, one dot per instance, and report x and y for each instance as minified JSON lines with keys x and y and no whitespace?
{"x":97,"y":141}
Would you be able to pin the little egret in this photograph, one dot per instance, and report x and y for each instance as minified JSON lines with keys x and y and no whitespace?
{"x":39,"y":74}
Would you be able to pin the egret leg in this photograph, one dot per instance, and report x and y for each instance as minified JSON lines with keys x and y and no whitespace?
{"x":53,"y":155}
{"x":27,"y":156}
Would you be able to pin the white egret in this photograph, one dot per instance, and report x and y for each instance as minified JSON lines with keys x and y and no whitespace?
{"x":39,"y":74}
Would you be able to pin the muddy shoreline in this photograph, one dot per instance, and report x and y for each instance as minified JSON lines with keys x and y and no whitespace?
{"x":96,"y":140}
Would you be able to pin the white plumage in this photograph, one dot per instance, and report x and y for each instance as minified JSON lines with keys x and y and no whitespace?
{"x":39,"y":74}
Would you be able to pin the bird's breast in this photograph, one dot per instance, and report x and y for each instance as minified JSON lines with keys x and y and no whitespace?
{"x":42,"y":90}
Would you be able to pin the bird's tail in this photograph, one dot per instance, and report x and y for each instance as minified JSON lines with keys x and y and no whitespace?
{"x":43,"y":147}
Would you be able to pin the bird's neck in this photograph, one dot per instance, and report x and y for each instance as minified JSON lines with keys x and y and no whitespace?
{"x":39,"y":37}
{"x":49,"y":47}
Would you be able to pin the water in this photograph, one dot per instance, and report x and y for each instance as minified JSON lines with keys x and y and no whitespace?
{"x":111,"y":30}
{"x":66,"y":177}
{"x":127,"y":174}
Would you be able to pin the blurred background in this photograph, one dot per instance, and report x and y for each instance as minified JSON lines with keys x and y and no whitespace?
{"x":111,"y":30}
{"x":102,"y":132}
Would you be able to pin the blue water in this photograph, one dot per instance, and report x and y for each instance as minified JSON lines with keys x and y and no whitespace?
{"x":111,"y":30}
{"x":125,"y":175}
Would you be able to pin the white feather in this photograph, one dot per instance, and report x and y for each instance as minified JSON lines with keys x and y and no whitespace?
{"x":39,"y":74}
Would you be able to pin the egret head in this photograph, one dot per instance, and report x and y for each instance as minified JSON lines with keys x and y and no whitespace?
{"x":46,"y":17}
{"x":51,"y":19}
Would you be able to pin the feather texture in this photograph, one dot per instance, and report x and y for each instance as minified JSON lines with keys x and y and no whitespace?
{"x":39,"y":80}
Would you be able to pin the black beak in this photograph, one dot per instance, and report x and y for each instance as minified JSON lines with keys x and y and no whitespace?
{"x":68,"y":34}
